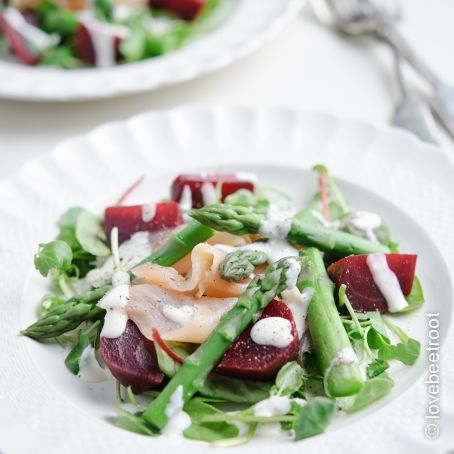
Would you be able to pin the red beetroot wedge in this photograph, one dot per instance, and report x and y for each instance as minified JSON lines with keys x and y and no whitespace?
{"x":362,"y":291}
{"x":230,"y":184}
{"x":132,"y":359}
{"x":247,"y":359}
{"x":17,"y":42}
{"x":84,"y":47}
{"x":186,"y":9}
{"x":138,"y":218}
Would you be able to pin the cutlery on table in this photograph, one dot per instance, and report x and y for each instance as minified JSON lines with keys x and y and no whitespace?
{"x":363,"y":17}
{"x":412,"y":113}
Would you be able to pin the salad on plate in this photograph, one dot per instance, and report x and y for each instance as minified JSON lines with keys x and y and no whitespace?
{"x":226,"y":312}
{"x":101,"y":33}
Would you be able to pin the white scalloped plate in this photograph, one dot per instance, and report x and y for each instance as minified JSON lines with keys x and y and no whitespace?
{"x":250,"y":24}
{"x":415,"y":188}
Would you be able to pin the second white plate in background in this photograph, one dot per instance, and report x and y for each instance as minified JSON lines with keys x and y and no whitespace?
{"x":250,"y":24}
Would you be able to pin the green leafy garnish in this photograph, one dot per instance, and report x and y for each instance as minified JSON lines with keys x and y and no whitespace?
{"x":314,"y":417}
{"x":60,"y":56}
{"x":206,"y":431}
{"x":373,"y":389}
{"x":90,"y":235}
{"x":377,"y":367}
{"x":73,"y":358}
{"x":289,"y":379}
{"x":406,"y":352}
{"x":234,"y":389}
{"x":415,"y":298}
{"x":133,"y":422}
{"x":56,"y":255}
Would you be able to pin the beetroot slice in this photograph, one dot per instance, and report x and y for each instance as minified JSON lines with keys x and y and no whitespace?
{"x":84,"y":48}
{"x":246,"y":359}
{"x":362,"y":291}
{"x":132,"y":359}
{"x":186,"y":9}
{"x":230,"y":184}
{"x":18,"y":43}
{"x":130,"y":219}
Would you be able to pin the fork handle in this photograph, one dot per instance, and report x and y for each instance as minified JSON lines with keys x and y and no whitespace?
{"x":442,"y":101}
{"x":389,"y":33}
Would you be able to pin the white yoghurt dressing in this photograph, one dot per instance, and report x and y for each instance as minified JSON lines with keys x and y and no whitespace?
{"x":131,"y":253}
{"x":178,"y":420}
{"x":90,"y":370}
{"x":273,"y":406}
{"x":275,"y":249}
{"x":103,"y":37}
{"x":275,"y":228}
{"x":298,"y":302}
{"x":273,"y":331}
{"x":114,"y":302}
{"x":180,"y":315}
{"x":209,"y":194}
{"x":320,"y":218}
{"x":148,"y":212}
{"x":35,"y":36}
{"x":120,"y":278}
{"x":387,"y":282}
{"x":344,"y":356}
{"x":186,"y":198}
{"x":276,"y":224}
{"x":291,"y":275}
{"x":365,"y":222}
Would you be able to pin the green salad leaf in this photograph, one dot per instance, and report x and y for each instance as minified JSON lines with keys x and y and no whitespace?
{"x":314,"y":417}
{"x":54,"y":19}
{"x":90,"y":235}
{"x":234,"y":389}
{"x":55,"y":255}
{"x":377,"y":367}
{"x":415,"y":298}
{"x":60,"y":56}
{"x":206,"y":431}
{"x":85,"y":338}
{"x":133,"y":422}
{"x":406,"y":352}
{"x":289,"y":379}
{"x":373,"y":389}
{"x":73,"y":358}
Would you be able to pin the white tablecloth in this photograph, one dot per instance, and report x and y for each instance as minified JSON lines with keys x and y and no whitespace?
{"x":306,"y":67}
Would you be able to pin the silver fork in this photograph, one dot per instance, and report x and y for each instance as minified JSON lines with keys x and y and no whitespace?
{"x":412,"y":113}
{"x":361,"y":17}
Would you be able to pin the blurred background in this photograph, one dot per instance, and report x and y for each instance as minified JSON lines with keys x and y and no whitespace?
{"x":307,"y":66}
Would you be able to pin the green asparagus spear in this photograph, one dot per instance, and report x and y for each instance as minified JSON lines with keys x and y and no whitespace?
{"x":243,"y":220}
{"x":327,"y":331}
{"x":238,"y":265}
{"x":179,"y":245}
{"x":197,"y":366}
{"x":68,"y":316}
{"x":83,"y":307}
